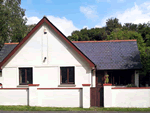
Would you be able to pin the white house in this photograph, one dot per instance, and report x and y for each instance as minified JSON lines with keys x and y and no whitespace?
{"x":47,"y":69}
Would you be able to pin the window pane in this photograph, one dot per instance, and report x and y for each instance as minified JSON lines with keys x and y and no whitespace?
{"x":71,"y":74}
{"x":29,"y":75}
{"x":22,"y":76}
{"x":64,"y":75}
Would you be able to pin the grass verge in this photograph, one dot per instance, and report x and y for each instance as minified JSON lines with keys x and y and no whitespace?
{"x":29,"y":108}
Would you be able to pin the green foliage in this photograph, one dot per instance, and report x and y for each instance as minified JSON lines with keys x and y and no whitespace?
{"x":131,"y":85}
{"x":111,"y":24}
{"x":88,"y":34}
{"x":12,"y":21}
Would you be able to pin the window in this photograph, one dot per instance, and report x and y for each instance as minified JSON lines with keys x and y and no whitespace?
{"x":25,"y":76}
{"x":67,"y":75}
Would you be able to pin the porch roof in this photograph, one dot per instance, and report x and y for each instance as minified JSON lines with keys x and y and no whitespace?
{"x":108,"y":55}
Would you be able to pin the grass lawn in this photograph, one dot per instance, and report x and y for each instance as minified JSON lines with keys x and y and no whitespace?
{"x":29,"y":108}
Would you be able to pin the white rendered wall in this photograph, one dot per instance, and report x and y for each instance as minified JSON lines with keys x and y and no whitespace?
{"x":60,"y":98}
{"x":47,"y":77}
{"x":107,"y":96}
{"x":86,"y":97}
{"x":125,"y":97}
{"x":10,"y":77}
{"x":13,"y":97}
{"x":59,"y":53}
{"x":93,"y":78}
{"x":131,"y":98}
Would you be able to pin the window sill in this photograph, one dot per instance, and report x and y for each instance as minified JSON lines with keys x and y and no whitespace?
{"x":22,"y":86}
{"x":66,"y":85}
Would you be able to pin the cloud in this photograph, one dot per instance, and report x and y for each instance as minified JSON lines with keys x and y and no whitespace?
{"x":32,"y":20}
{"x":89,"y":11}
{"x":64,"y":25}
{"x":85,"y":27}
{"x":137,"y":14}
{"x":98,"y":26}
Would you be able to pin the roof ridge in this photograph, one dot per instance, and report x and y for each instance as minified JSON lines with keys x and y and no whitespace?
{"x":104,"y":41}
{"x":12,"y":43}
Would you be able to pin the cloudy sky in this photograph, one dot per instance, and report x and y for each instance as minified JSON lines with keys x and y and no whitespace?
{"x":70,"y":15}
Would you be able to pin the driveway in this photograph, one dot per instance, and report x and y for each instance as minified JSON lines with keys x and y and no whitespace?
{"x":68,"y":112}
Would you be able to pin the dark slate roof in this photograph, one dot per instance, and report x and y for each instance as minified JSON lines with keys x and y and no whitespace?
{"x":7,"y":48}
{"x":105,"y":55}
{"x":112,"y":55}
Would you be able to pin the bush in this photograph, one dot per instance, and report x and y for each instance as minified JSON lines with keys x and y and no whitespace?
{"x":131,"y":85}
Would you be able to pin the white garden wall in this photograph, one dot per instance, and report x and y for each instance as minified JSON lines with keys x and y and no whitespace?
{"x":60,"y":97}
{"x":126,"y":97}
{"x":46,"y":97}
{"x":13,"y":96}
{"x":131,"y":98}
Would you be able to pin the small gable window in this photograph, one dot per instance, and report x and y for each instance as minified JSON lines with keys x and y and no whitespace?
{"x":67,"y":75}
{"x":25,"y":76}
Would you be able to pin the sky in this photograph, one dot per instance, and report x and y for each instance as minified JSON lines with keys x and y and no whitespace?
{"x":70,"y":15}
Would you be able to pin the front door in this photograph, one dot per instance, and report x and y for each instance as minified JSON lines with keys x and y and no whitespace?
{"x":97,"y":92}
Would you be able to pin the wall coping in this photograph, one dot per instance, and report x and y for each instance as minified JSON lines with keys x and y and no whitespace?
{"x":131,"y":88}
{"x":55,"y":88}
{"x":107,"y":84}
{"x":13,"y":88}
{"x":86,"y":84}
{"x":33,"y":84}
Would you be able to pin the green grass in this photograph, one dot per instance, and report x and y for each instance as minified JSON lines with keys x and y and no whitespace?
{"x":29,"y":108}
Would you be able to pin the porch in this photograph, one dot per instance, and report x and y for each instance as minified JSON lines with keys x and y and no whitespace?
{"x":119,"y":78}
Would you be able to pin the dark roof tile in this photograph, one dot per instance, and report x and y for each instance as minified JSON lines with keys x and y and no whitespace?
{"x":7,"y":48}
{"x":112,"y":55}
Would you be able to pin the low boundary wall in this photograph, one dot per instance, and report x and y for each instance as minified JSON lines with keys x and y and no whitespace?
{"x":126,"y":97}
{"x":46,"y":97}
{"x":14,"y":96}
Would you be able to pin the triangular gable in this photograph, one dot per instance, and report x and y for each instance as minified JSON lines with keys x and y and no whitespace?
{"x":44,"y":19}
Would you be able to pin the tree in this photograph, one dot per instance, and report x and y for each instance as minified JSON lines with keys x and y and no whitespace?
{"x":112,"y":23}
{"x":130,"y":26}
{"x":12,"y":21}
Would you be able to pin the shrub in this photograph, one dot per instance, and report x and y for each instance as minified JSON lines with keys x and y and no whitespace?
{"x":131,"y":85}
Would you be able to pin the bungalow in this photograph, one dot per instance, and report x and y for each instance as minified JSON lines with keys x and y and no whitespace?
{"x":47,"y":69}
